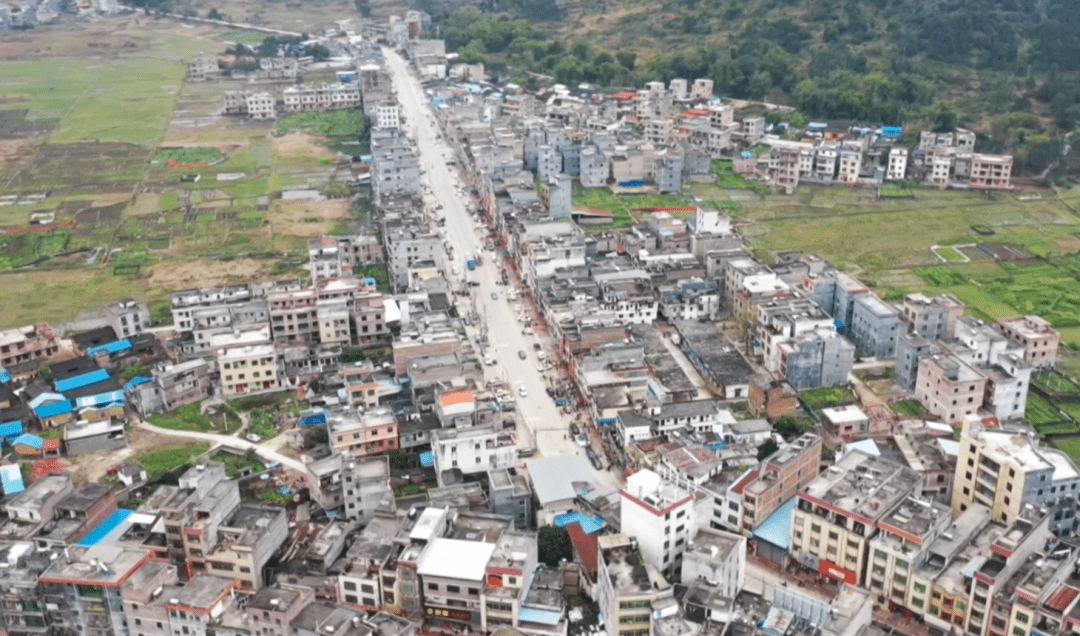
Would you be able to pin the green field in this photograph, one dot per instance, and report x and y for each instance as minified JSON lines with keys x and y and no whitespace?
{"x":909,"y":408}
{"x":234,"y":464}
{"x":621,"y":205}
{"x":828,"y":397}
{"x":190,"y":418}
{"x":193,"y":154}
{"x":162,"y":460}
{"x":1039,"y":412}
{"x":949,"y":254}
{"x":342,"y":123}
{"x":1054,"y":382}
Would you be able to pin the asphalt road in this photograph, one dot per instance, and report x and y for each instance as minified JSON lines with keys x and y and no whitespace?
{"x":545,"y":428}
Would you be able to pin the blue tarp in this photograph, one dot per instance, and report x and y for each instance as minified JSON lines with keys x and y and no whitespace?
{"x":11,"y":479}
{"x":136,"y":381}
{"x":590,"y":525}
{"x":607,"y":420}
{"x":315,"y":417}
{"x":79,"y":381}
{"x":5,"y":377}
{"x":110,"y":347}
{"x":633,"y":183}
{"x":106,"y":527}
{"x":892,"y":132}
{"x":111,"y":397}
{"x":11,"y":430}
{"x":427,"y":458}
{"x":746,"y":154}
{"x":817,"y":125}
{"x":541,"y":616}
{"x":54,"y":409}
{"x":777,"y":528}
{"x":26,"y":439}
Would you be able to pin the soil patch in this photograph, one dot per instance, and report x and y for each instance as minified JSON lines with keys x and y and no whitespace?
{"x":203,"y":273}
{"x":12,"y":149}
{"x":302,"y":144}
{"x":299,"y":218}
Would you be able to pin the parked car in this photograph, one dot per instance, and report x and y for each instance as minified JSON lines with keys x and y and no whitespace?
{"x":522,"y":391}
{"x":574,"y":430}
{"x":521,"y":354}
{"x":581,"y":441}
{"x":252,"y":437}
{"x":494,"y":296}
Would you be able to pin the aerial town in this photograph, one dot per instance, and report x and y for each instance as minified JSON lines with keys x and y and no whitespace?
{"x":548,"y":418}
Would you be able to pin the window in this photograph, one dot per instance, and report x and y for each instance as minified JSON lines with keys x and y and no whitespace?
{"x":902,"y":565}
{"x":474,"y":591}
{"x":1023,"y":618}
{"x":815,"y":528}
{"x":453,"y":589}
{"x":434,"y":587}
{"x":920,"y":588}
{"x":880,"y":556}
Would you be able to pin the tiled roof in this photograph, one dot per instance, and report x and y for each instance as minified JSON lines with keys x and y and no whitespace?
{"x":739,"y":487}
{"x":458,"y":397}
{"x":51,"y":445}
{"x":584,"y":545}
{"x":1059,"y":601}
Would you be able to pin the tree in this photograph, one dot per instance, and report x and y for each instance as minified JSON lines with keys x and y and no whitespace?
{"x":398,"y":460}
{"x":316,"y":436}
{"x":46,"y":372}
{"x":319,"y":52}
{"x":364,"y":7}
{"x":214,"y":14}
{"x":787,"y":426}
{"x":474,"y":52}
{"x":353,"y":354}
{"x":766,"y":449}
{"x":553,"y":545}
{"x":569,"y":71}
{"x":943,"y":116}
{"x":626,"y":58}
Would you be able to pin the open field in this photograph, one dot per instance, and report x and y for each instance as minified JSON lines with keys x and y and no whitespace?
{"x":621,"y":205}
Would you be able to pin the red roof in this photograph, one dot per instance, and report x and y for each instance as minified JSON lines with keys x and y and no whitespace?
{"x":584,"y":545}
{"x":1060,"y":600}
{"x":459,"y":397}
{"x":696,"y":112}
{"x":624,"y":95}
{"x":739,"y":487}
{"x":51,"y":445}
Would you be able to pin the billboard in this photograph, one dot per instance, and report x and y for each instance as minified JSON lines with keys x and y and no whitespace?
{"x":840,"y":574}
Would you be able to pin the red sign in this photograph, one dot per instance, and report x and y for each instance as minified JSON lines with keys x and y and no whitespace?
{"x":835,"y":571}
{"x":454,"y":615}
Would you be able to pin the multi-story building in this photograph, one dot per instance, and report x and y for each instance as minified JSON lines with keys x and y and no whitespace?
{"x":203,"y":67}
{"x":127,"y":317}
{"x":359,"y":434}
{"x":144,"y":609}
{"x":874,"y":327}
{"x":627,"y":587}
{"x":185,"y":303}
{"x":813,"y":359}
{"x":321,"y":97}
{"x":337,"y":256}
{"x":84,"y":585}
{"x":932,"y":318}
{"x":365,"y":483}
{"x":452,"y":572}
{"x":896,"y":169}
{"x":716,"y":557}
{"x":271,"y":610}
{"x":1006,"y":471}
{"x":1040,"y":340}
{"x":837,"y":514}
{"x":249,"y":369}
{"x":473,"y":450}
{"x":31,"y":344}
{"x":949,"y":387}
{"x":660,"y":517}
{"x":594,"y":166}
{"x":293,"y":316}
{"x":254,"y":104}
{"x":387,"y":116}
{"x":901,"y":544}
{"x":179,"y":384}
{"x":779,"y":477}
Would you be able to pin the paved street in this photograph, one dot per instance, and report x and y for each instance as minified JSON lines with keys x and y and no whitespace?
{"x":264,"y":449}
{"x":544,"y":423}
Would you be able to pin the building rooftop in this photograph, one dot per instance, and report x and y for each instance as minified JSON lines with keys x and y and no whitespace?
{"x":201,"y":593}
{"x":560,"y":477}
{"x":714,"y":544}
{"x":455,"y":559}
{"x":104,"y":566}
{"x":629,"y":573}
{"x":265,"y":597}
{"x":864,"y":485}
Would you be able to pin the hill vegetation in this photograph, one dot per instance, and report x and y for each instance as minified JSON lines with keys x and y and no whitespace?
{"x":1004,"y":67}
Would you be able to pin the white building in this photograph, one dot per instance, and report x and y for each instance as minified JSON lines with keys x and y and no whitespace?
{"x":659,"y":516}
{"x":897,"y":168}
{"x":387,"y":115}
{"x":718,"y":558}
{"x":473,"y":450}
{"x":248,"y":369}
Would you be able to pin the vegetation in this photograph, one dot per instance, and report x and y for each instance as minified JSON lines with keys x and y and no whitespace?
{"x":1039,"y":412}
{"x":766,"y":449}
{"x":1054,"y":382}
{"x":338,"y":123}
{"x":828,"y":397}
{"x":185,"y":418}
{"x":909,"y":408}
{"x":191,"y":155}
{"x":398,"y":460}
{"x":159,"y":461}
{"x":553,"y":545}
{"x":789,"y":426}
{"x":235,"y":464}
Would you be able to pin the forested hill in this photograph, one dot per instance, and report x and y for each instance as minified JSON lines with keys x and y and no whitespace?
{"x":871,"y":60}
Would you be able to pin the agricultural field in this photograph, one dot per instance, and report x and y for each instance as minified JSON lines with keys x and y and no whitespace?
{"x":101,"y":140}
{"x":159,"y":461}
{"x":909,"y":408}
{"x":828,"y":397}
{"x":621,"y":205}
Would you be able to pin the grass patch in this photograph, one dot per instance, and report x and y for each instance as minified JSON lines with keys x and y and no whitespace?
{"x":264,"y":422}
{"x":949,"y":254}
{"x":339,"y":123}
{"x":828,"y":397}
{"x":1040,"y":412}
{"x":162,"y":460}
{"x":895,"y":192}
{"x":728,"y":179}
{"x":203,"y":155}
{"x":235,"y":464}
{"x":379,"y":273}
{"x":185,"y":418}
{"x":1054,"y":382}
{"x":621,"y":205}
{"x":410,"y":489}
{"x":1069,"y":446}
{"x":909,"y":408}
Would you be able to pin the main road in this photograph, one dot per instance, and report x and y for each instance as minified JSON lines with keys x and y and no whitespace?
{"x":547,"y":427}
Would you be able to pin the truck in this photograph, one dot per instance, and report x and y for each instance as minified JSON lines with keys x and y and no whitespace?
{"x":479,"y":259}
{"x":470,"y":262}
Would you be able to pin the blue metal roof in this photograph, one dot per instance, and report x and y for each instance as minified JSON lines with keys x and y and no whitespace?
{"x":45,"y":397}
{"x":777,"y":528}
{"x":589,"y":525}
{"x":106,"y":528}
{"x":746,"y":154}
{"x":544,"y":617}
{"x":136,"y":381}
{"x":11,"y":479}
{"x":50,"y":410}
{"x":110,"y":397}
{"x":110,"y":347}
{"x":26,"y":439}
{"x":79,"y":381}
{"x":892,"y":132}
{"x":5,"y":377}
{"x":427,"y":458}
{"x":11,"y":430}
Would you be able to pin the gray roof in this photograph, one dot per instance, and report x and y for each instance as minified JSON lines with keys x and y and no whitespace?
{"x":553,"y":478}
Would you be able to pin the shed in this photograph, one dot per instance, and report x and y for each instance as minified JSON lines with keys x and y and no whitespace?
{"x":29,"y":445}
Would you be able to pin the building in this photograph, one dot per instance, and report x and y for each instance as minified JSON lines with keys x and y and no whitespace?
{"x":254,"y":104}
{"x":901,"y":544}
{"x":84,"y":585}
{"x":365,"y":486}
{"x":949,"y":387}
{"x":779,"y":477}
{"x":452,"y":572}
{"x":473,"y":450}
{"x":127,"y":317}
{"x":271,"y":610}
{"x":1007,"y":471}
{"x":771,"y":398}
{"x":874,"y":327}
{"x":29,"y":345}
{"x":249,"y":369}
{"x":322,"y":97}
{"x":1040,"y":340}
{"x":173,"y":386}
{"x":837,"y":514}
{"x":847,"y":422}
{"x":387,"y":116}
{"x":932,"y":318}
{"x":337,"y":256}
{"x":813,"y":359}
{"x":627,"y":586}
{"x":718,"y":558}
{"x":203,"y":67}
{"x":359,"y":434}
{"x":659,"y":516}
{"x":896,"y":169}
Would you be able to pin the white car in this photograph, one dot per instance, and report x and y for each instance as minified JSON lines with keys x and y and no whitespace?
{"x":456,"y":270}
{"x":522,"y":391}
{"x":581,"y":441}
{"x":252,"y":437}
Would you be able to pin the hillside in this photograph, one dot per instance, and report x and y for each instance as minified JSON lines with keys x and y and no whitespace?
{"x":1007,"y":68}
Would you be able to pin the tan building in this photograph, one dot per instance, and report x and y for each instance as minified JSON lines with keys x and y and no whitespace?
{"x":949,"y":387}
{"x":248,"y":369}
{"x":1040,"y":340}
{"x":991,"y":171}
{"x":781,"y":475}
{"x":372,"y":432}
{"x":772,"y":398}
{"x":203,"y":67}
{"x":322,"y":97}
{"x":27,"y":344}
{"x":837,"y":514}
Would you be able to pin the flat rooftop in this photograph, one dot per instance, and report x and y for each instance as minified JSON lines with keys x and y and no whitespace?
{"x":455,"y":559}
{"x":864,"y":485}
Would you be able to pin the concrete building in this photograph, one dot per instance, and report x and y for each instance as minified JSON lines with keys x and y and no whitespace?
{"x":932,"y":318}
{"x":847,"y":422}
{"x":816,"y":358}
{"x":25,"y":345}
{"x":896,"y":169}
{"x":362,"y":433}
{"x":949,"y":387}
{"x":702,"y":89}
{"x":911,"y":348}
{"x":203,"y":68}
{"x":387,"y":116}
{"x":84,"y":587}
{"x":271,"y":610}
{"x":1040,"y":340}
{"x":627,"y":587}
{"x":127,"y":317}
{"x":874,"y":327}
{"x":452,"y":572}
{"x":248,"y":369}
{"x":473,"y":450}
{"x":660,"y":517}
{"x":903,"y":542}
{"x":510,"y":496}
{"x":718,"y":558}
{"x":254,"y":104}
{"x":595,"y":167}
{"x":1007,"y":471}
{"x":837,"y":514}
{"x":668,"y":170}
{"x":337,"y":256}
{"x":322,"y":97}
{"x":185,"y":303}
{"x":366,"y":487}
{"x":779,"y":477}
